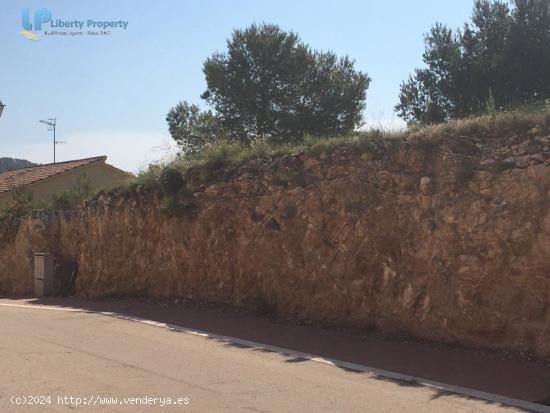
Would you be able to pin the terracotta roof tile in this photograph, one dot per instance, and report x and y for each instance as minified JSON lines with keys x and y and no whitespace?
{"x":14,"y":179}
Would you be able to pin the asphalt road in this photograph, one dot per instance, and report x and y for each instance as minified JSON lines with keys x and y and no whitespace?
{"x":99,"y":359}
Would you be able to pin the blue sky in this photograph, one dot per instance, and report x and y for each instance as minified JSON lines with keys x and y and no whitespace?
{"x":110,"y":94}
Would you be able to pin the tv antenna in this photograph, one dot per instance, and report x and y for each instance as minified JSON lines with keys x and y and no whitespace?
{"x":51,"y":122}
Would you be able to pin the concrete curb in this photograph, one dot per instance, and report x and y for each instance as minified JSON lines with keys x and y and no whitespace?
{"x":529,"y":406}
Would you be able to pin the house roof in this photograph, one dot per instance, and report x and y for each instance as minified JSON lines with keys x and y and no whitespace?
{"x":14,"y":179}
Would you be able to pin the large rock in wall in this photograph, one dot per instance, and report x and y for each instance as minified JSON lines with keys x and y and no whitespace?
{"x":444,"y":239}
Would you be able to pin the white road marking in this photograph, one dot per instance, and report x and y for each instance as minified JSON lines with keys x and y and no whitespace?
{"x":371,"y":371}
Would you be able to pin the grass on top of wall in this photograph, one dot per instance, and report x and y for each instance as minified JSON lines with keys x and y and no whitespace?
{"x":223,"y":154}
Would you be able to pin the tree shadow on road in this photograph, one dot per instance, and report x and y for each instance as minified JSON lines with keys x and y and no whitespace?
{"x":514,"y":378}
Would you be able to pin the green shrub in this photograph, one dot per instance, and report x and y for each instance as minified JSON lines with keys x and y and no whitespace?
{"x":66,"y":200}
{"x":222,"y":155}
{"x":69,"y":199}
{"x":170,"y":180}
{"x":83,"y":187}
{"x":367,"y":142}
{"x":147,"y":178}
{"x":21,"y":202}
{"x":172,"y":207}
{"x":324,"y":146}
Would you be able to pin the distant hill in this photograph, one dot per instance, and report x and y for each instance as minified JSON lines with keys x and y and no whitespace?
{"x":9,"y":164}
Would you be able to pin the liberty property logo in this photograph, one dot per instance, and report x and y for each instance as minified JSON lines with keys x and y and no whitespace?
{"x":40,"y":16}
{"x":32,"y":25}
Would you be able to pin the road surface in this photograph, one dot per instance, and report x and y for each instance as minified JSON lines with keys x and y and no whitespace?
{"x":96,"y":359}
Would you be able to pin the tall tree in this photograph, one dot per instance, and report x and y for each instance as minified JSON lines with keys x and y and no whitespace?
{"x":269,"y":83}
{"x":502,"y":54}
{"x":191,"y":128}
{"x":431,"y":94}
{"x":528,"y":50}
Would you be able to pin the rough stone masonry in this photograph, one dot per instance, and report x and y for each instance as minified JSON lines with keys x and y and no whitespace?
{"x":445,"y":239}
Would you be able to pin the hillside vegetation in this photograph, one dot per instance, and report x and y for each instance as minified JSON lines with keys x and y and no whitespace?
{"x":227,"y":156}
{"x":10,"y":164}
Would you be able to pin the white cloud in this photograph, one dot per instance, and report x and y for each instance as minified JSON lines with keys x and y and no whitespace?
{"x":130,"y":151}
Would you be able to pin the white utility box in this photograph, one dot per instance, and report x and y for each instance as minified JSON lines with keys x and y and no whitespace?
{"x":43,"y":275}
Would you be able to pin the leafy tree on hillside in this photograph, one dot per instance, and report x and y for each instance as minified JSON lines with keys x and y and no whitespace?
{"x":503,"y":54}
{"x":270,"y":84}
{"x":192,"y":128}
